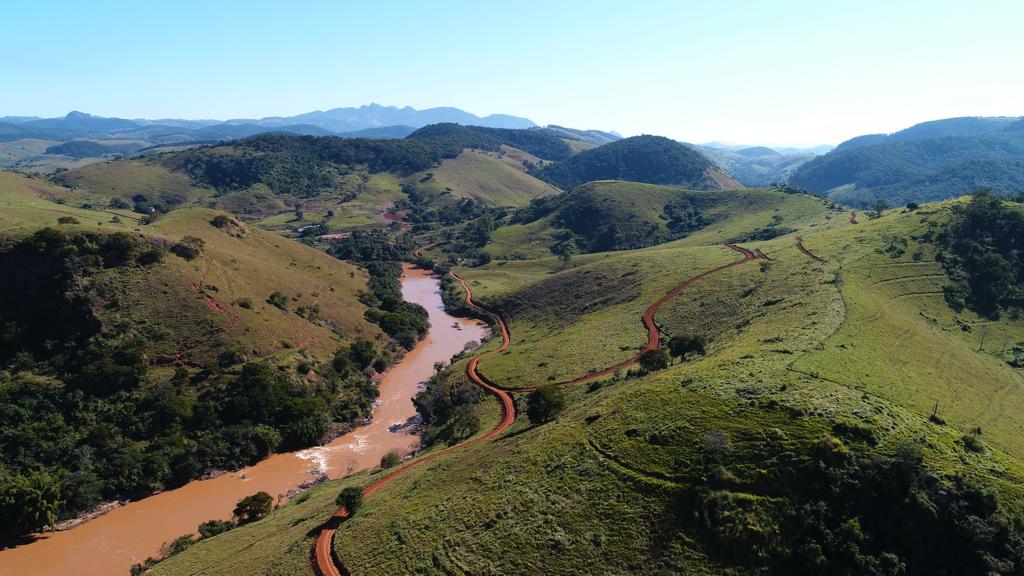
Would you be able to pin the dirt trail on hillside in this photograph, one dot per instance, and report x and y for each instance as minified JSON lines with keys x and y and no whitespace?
{"x":853,"y":216}
{"x":323,"y":559}
{"x":800,"y":246}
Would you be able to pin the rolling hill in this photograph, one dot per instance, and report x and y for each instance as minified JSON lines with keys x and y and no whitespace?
{"x":617,"y":215}
{"x":135,"y":343}
{"x":648,"y":159}
{"x":926,"y":162}
{"x":797,"y":443}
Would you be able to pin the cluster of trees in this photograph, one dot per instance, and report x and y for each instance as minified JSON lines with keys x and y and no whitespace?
{"x":306,"y":166}
{"x":984,"y":254}
{"x":841,"y":510}
{"x":84,"y":419}
{"x":448,"y":408}
{"x":539,"y":142}
{"x":379,"y":254}
{"x":650,"y":159}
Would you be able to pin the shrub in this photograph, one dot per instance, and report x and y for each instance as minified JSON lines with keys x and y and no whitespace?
{"x":220,"y":221}
{"x":211,"y":528}
{"x":252,"y":508}
{"x":278,"y":299}
{"x":189,"y":247}
{"x":68,"y":220}
{"x":653,"y":360}
{"x":390,"y":460}
{"x":351,"y":498}
{"x":149,"y":256}
{"x":545,"y":404}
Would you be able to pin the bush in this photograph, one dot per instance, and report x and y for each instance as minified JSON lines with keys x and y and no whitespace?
{"x":149,"y":256}
{"x":244,"y":303}
{"x":278,"y":300}
{"x":653,"y":360}
{"x":390,"y":460}
{"x":68,"y":220}
{"x":351,"y":498}
{"x":252,"y":508}
{"x":211,"y":528}
{"x":220,"y":221}
{"x":189,"y":247}
{"x":545,"y":404}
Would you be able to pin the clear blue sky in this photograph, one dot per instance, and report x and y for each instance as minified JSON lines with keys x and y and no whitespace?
{"x":737,"y":71}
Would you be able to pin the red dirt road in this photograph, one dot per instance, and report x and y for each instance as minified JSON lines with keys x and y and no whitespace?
{"x":653,"y":335}
{"x":800,"y":246}
{"x":323,"y":560}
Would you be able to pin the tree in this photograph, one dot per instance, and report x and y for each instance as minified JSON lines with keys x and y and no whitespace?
{"x":211,"y":528}
{"x":566,"y":250}
{"x":544,"y":404}
{"x":880,"y":207}
{"x":653,"y":360}
{"x":28,"y":503}
{"x":362,"y":353}
{"x":680,"y":346}
{"x":350,"y":498}
{"x":278,"y":299}
{"x":390,"y":460}
{"x":252,"y":508}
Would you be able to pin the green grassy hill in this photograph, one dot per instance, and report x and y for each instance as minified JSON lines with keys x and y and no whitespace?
{"x":162,"y":350}
{"x":485,"y":177}
{"x":649,"y":159}
{"x":805,"y":440}
{"x":615,"y":215}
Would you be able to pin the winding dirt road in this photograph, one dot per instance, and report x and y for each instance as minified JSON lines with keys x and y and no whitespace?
{"x":324,"y":561}
{"x":800,"y":246}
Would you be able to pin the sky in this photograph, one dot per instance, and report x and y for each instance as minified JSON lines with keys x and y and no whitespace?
{"x":776,"y":73}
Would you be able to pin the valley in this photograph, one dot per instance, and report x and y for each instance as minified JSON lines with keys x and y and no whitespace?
{"x":685,"y":375}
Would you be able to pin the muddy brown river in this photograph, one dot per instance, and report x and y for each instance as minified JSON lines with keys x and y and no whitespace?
{"x":111,"y":543}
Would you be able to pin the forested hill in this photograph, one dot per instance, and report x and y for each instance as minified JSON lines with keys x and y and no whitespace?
{"x":930,"y":161}
{"x":648,"y":159}
{"x":540,"y":142}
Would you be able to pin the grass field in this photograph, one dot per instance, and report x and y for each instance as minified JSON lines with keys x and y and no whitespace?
{"x":484,"y":177}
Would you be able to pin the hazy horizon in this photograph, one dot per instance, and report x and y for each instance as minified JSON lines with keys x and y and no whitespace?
{"x":791,"y":74}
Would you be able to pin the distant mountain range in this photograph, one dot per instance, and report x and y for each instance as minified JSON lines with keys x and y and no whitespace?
{"x":928,"y":161}
{"x":364,"y":121}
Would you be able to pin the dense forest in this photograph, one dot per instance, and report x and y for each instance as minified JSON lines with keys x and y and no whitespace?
{"x":87,"y":420}
{"x":540,"y":142}
{"x":985,"y":255}
{"x":650,"y":159}
{"x":925,"y":167}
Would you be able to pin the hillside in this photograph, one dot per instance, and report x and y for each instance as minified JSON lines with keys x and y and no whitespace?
{"x":797,"y":443}
{"x":926,"y":162}
{"x":757,"y":166}
{"x":648,"y":159}
{"x":139,"y":344}
{"x":493,"y":179}
{"x":616,"y":215}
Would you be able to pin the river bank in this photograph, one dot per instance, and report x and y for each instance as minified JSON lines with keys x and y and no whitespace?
{"x":111,"y":543}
